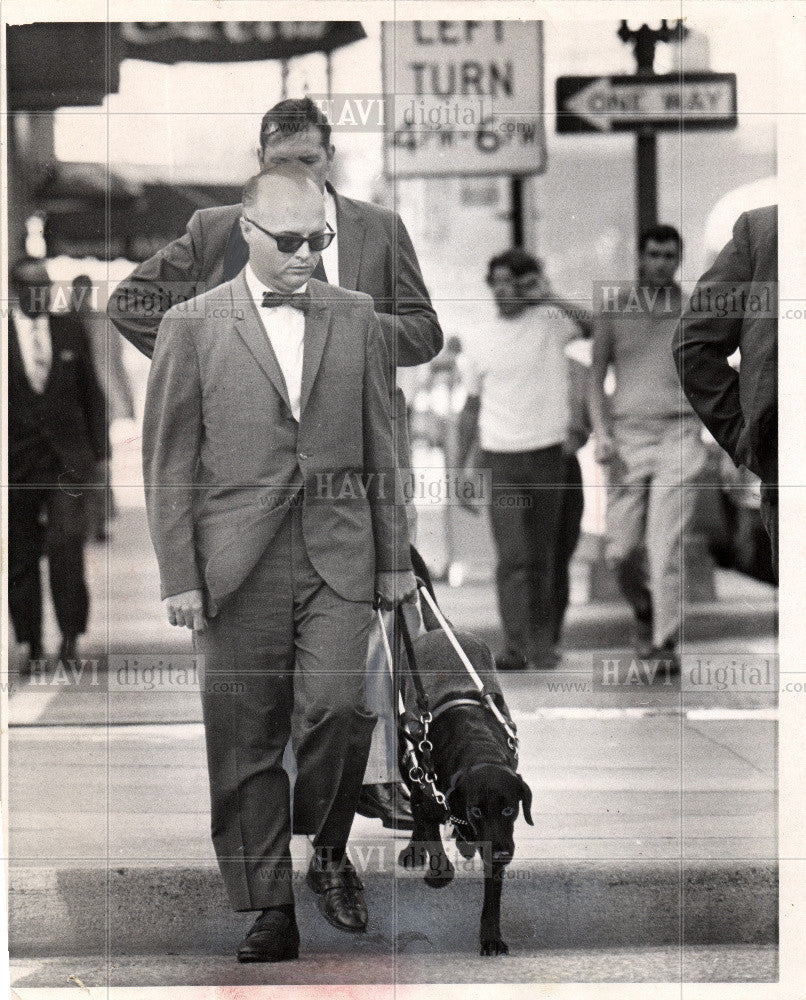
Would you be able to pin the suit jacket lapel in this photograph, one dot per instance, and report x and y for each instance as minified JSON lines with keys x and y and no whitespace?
{"x":317,"y":326}
{"x":252,"y":332}
{"x":237,"y":253}
{"x":351,"y":232}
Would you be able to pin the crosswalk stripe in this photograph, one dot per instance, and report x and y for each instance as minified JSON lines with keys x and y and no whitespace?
{"x":29,"y":707}
{"x":33,"y":715}
{"x":714,"y":714}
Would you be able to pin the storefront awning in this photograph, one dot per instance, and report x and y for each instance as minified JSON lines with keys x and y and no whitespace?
{"x":56,"y":65}
{"x":94,"y":212}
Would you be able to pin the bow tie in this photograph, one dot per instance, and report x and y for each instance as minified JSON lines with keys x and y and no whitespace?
{"x":301,"y":300}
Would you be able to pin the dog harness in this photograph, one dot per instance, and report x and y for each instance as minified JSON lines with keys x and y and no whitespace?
{"x":418,"y":747}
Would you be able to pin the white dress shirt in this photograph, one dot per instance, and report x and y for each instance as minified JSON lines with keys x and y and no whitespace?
{"x":330,"y":256}
{"x":36,"y":347}
{"x":285,"y":328}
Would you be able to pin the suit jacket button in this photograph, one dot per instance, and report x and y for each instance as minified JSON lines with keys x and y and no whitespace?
{"x":303,"y":455}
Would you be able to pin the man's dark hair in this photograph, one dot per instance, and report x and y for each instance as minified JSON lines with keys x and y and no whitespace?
{"x":21,"y":263}
{"x":660,"y":233}
{"x":292,"y":116}
{"x":518,"y":262}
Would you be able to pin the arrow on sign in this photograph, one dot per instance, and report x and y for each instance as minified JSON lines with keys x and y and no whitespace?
{"x":609,"y":103}
{"x":592,"y":104}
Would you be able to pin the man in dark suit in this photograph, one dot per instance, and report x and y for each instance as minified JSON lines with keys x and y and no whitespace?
{"x":56,"y":435}
{"x":735,"y":307}
{"x":275,"y":510}
{"x":372,"y":253}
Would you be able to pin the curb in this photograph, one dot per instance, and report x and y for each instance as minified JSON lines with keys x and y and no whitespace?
{"x":135,"y":911}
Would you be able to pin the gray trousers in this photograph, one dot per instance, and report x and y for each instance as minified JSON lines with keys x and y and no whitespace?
{"x":651,"y":493}
{"x":381,"y":697}
{"x":382,"y":765}
{"x":283,"y":633}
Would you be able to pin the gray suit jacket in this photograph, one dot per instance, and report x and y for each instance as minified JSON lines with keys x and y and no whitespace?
{"x":222,"y":454}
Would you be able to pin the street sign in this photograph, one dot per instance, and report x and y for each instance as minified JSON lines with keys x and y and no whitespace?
{"x":665,"y":102}
{"x":463,"y":98}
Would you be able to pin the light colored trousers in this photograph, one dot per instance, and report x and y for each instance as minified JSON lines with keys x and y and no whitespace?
{"x":651,"y":494}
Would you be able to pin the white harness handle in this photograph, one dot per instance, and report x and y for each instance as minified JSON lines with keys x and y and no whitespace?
{"x":467,"y":664}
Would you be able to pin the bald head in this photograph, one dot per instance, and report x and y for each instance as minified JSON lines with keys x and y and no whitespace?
{"x":281,"y":184}
{"x":283,"y":201}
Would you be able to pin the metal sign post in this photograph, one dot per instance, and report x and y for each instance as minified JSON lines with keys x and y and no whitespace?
{"x":646,"y":103}
{"x":646,"y":141}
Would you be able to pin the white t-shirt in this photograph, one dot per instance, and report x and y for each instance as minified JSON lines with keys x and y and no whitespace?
{"x":519,"y":369}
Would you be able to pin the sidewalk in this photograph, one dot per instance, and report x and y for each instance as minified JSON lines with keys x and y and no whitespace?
{"x":126,"y":615}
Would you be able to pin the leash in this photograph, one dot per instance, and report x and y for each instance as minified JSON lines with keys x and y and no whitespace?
{"x":420,"y":770}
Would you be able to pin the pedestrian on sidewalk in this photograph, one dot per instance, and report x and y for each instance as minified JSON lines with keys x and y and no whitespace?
{"x":266,"y":396}
{"x":57,"y":438}
{"x":373,"y":253}
{"x":517,"y":385}
{"x":735,"y":308}
{"x":649,"y":440}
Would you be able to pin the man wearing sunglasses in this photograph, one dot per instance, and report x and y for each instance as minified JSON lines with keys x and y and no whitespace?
{"x":373,"y":253}
{"x":275,"y":509}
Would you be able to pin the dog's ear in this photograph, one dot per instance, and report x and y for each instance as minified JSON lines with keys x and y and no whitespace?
{"x":526,"y":799}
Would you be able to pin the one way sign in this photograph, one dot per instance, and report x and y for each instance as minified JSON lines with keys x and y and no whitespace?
{"x":626,"y":103}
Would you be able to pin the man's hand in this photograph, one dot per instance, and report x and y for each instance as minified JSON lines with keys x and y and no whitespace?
{"x":186,"y":609}
{"x":392,"y":589}
{"x":605,"y":449}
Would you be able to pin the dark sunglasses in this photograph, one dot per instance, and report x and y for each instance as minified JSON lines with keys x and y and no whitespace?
{"x":291,"y":242}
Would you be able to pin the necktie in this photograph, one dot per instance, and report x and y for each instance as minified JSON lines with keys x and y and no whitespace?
{"x":40,"y":354}
{"x":300,"y":301}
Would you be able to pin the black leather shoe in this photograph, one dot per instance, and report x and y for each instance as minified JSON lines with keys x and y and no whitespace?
{"x":341,"y":895}
{"x":67,"y":649}
{"x":643,"y":637}
{"x":510,"y":660}
{"x":668,"y":660}
{"x":26,"y":664}
{"x":273,"y":937}
{"x":389,"y":803}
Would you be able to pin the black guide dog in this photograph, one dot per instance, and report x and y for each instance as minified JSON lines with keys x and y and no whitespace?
{"x":475,"y":770}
